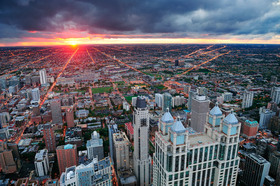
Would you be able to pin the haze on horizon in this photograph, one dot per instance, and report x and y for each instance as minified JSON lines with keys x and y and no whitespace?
{"x":71,"y":22}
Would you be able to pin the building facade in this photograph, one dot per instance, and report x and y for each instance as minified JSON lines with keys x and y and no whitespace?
{"x":95,"y":147}
{"x":56,"y":111}
{"x":121,"y":150}
{"x":70,"y":118}
{"x":256,"y":169}
{"x":49,"y":137}
{"x":185,"y":158}
{"x":96,"y":173}
{"x":43,"y":76}
{"x":42,"y":163}
{"x":265,"y":116}
{"x":159,"y":100}
{"x":141,"y":158}
{"x":275,"y":94}
{"x":66,"y":156}
{"x":247,"y":101}
{"x":167,"y":101}
{"x":200,"y":108}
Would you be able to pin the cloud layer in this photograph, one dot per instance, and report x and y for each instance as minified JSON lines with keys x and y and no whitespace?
{"x":151,"y":18}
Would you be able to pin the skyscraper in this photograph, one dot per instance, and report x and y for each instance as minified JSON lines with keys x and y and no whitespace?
{"x":121,"y":150}
{"x":247,"y":101}
{"x":56,"y":111}
{"x":183,"y":158}
{"x":167,"y":101}
{"x":66,"y":156}
{"x":49,"y":138}
{"x":200,"y":108}
{"x":142,"y":160}
{"x":43,"y":77}
{"x":256,"y":169}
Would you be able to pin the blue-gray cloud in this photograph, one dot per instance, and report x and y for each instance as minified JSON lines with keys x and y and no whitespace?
{"x":168,"y":18}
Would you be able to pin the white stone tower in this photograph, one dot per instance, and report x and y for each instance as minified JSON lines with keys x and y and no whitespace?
{"x":142,"y":160}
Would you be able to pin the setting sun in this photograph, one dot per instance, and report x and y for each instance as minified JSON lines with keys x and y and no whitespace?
{"x":73,"y":43}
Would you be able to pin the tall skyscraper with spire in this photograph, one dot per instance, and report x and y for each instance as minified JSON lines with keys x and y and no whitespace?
{"x":141,"y":158}
{"x":185,"y":158}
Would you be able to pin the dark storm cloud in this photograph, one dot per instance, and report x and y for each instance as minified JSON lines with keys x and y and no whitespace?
{"x":171,"y":18}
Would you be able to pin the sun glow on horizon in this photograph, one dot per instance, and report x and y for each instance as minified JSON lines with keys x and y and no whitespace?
{"x":91,"y":39}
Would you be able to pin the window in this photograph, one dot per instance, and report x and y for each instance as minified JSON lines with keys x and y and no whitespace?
{"x":143,"y":122}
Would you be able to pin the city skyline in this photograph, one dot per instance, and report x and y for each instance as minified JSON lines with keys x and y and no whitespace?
{"x":47,"y":23}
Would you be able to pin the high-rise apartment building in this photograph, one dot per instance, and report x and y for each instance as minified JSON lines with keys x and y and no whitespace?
{"x":56,"y":111}
{"x":186,"y":158}
{"x":248,"y":97}
{"x":42,"y":163}
{"x":200,"y":108}
{"x":275,"y":94}
{"x":96,"y":173}
{"x":43,"y":76}
{"x":265,"y":116}
{"x":49,"y":138}
{"x":167,"y":101}
{"x":121,"y":150}
{"x":4,"y":118}
{"x":159,"y":100}
{"x":70,"y":118}
{"x":66,"y":156}
{"x":256,"y":169}
{"x":192,"y":93}
{"x":178,"y":101}
{"x":35,"y":95}
{"x":142,"y":160}
{"x":95,"y":147}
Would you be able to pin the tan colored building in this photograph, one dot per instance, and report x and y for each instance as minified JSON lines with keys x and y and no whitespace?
{"x":121,"y":150}
{"x":7,"y":162}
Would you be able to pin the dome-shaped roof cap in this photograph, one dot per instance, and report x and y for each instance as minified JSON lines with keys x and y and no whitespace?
{"x":178,"y":127}
{"x":216,"y":111}
{"x":231,"y":119}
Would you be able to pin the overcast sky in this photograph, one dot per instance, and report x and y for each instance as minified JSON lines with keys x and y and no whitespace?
{"x":51,"y":20}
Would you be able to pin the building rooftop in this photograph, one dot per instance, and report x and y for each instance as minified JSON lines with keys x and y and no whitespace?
{"x":68,"y":146}
{"x":200,"y":139}
{"x":216,"y":111}
{"x":231,"y":119}
{"x":257,"y":158}
{"x":41,"y":154}
{"x":167,"y":118}
{"x":178,"y":127}
{"x":141,"y":102}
